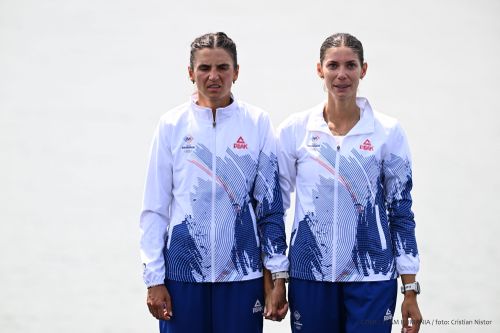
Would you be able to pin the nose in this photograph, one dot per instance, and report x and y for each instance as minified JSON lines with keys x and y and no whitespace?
{"x":341,"y":74}
{"x":213,"y":75}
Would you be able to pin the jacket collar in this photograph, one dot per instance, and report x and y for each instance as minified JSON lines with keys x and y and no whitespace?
{"x":365,"y":125}
{"x":205,"y":113}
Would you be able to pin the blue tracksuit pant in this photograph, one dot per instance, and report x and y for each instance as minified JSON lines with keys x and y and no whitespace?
{"x":222,"y":307}
{"x":342,"y":307}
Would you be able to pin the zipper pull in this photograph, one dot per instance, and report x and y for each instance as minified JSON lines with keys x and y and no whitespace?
{"x":214,"y":118}
{"x":338,"y":147}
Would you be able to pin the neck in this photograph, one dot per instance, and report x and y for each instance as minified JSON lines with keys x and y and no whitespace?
{"x":341,"y":115}
{"x":214,"y":104}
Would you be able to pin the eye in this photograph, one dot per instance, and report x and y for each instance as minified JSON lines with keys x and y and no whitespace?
{"x":203,"y":68}
{"x":223,"y":67}
{"x":351,"y":65}
{"x":332,"y":65}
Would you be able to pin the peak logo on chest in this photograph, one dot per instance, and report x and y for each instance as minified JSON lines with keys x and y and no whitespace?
{"x":240,"y":144}
{"x":366,"y":145}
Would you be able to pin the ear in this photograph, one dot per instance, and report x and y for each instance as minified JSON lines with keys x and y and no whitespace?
{"x":236,"y":73}
{"x":319,"y":70}
{"x":364,"y":68}
{"x":191,"y":74}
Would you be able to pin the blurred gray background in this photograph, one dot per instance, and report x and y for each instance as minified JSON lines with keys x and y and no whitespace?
{"x":83,"y":84}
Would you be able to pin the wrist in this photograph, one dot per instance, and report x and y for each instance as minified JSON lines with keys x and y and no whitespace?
{"x":280,"y":282}
{"x":155,"y":285}
{"x":280,"y":276}
{"x":410,"y":295}
{"x":410,"y":288}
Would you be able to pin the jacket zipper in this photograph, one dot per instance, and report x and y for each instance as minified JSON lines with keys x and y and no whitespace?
{"x":214,"y":188}
{"x":335,"y":213}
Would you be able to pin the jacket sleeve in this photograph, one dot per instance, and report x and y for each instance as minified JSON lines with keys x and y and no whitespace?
{"x":154,"y":218}
{"x":398,"y":184}
{"x":287,"y":163}
{"x":269,"y":208}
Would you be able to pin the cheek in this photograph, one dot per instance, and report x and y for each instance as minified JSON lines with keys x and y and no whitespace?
{"x":329,"y":78}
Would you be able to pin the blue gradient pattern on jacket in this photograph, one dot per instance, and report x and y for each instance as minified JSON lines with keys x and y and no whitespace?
{"x":242,"y":188}
{"x":312,"y":246}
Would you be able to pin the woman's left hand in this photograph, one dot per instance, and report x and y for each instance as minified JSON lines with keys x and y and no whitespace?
{"x":276,"y":304}
{"x":410,"y":310}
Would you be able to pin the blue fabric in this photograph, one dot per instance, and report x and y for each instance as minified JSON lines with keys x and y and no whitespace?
{"x":342,"y":307}
{"x":225,"y":307}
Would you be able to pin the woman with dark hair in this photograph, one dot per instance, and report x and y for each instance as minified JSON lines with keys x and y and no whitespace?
{"x":353,"y":231}
{"x":212,"y":213}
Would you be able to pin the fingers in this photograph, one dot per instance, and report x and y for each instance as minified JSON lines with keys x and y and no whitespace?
{"x":405,"y":321}
{"x":155,"y":311}
{"x":281,"y":313}
{"x":268,"y":306}
{"x":152,"y":306}
{"x":416,"y":320}
{"x":411,"y":316}
{"x":159,"y":311}
{"x":167,"y":308}
{"x":270,"y":311}
{"x":275,"y":312}
{"x":159,"y":303}
{"x":404,"y":313}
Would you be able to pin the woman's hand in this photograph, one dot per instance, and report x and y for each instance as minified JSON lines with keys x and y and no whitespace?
{"x":409,"y":307}
{"x":276,"y":306}
{"x":159,"y":303}
{"x":410,"y":310}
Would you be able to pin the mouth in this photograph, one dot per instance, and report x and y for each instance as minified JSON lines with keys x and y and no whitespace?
{"x":341,"y":86}
{"x":214,"y":86}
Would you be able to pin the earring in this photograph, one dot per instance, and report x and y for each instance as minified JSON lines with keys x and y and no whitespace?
{"x":234,"y":81}
{"x":192,"y":81}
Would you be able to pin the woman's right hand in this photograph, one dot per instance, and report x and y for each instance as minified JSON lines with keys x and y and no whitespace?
{"x":276,"y":306}
{"x":159,"y":303}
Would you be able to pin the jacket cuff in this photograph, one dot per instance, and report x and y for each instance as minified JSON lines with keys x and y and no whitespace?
{"x":153,"y":278}
{"x":277,"y":263}
{"x":407,"y":264}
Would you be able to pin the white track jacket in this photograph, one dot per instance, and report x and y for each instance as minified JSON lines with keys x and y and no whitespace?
{"x":212,"y":208}
{"x":353,"y":218}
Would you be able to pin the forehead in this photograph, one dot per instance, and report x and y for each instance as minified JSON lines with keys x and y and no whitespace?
{"x":215,"y":56}
{"x":340,"y":54}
